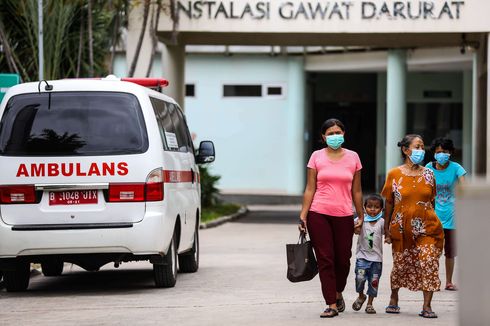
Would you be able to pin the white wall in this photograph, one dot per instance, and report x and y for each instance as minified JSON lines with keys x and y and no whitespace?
{"x":252,"y":135}
{"x":121,"y":70}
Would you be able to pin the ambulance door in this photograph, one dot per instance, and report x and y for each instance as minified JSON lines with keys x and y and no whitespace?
{"x":184,"y":174}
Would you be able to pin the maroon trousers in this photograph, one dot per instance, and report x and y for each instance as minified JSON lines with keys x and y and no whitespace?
{"x":331,"y":237}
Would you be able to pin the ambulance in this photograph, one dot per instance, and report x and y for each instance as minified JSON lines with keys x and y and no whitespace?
{"x":97,"y":171}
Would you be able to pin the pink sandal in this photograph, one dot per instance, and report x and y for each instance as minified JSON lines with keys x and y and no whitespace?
{"x":451,"y":287}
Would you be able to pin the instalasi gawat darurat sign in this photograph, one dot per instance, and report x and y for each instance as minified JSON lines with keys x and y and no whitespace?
{"x":322,"y":10}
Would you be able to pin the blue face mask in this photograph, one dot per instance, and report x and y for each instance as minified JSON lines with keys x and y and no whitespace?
{"x":442,"y":158}
{"x":417,"y":156}
{"x":369,"y":218}
{"x":335,"y":141}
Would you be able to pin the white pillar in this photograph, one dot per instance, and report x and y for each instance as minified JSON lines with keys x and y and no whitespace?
{"x":467,"y":123}
{"x":480,"y":116}
{"x":474,"y":113}
{"x":381,"y":130}
{"x":173,"y":63}
{"x":296,"y":126}
{"x":395,"y":105}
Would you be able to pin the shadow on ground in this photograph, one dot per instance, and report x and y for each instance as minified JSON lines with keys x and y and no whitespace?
{"x":269,"y":217}
{"x":83,"y":283}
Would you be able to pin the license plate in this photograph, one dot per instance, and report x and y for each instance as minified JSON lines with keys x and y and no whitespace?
{"x":73,"y":197}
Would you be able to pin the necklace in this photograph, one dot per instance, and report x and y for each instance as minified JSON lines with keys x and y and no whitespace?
{"x":410,"y":171}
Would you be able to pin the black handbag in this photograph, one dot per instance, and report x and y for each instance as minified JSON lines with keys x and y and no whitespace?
{"x":302,"y":264}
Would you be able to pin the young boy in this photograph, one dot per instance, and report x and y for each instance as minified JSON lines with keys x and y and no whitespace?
{"x":369,"y":252}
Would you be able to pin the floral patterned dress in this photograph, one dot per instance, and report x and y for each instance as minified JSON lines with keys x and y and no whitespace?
{"x":416,"y":232}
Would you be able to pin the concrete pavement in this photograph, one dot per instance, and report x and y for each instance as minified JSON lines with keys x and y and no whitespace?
{"x":241,"y":281}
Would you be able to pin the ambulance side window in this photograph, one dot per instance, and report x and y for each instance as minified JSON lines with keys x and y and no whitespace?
{"x":160,"y":113}
{"x":183,"y":140}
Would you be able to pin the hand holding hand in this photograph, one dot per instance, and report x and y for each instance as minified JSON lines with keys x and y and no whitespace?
{"x":358,"y":224}
{"x":387,"y":239}
{"x":357,"y":230}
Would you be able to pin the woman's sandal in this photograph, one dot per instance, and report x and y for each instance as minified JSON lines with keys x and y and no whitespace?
{"x":340,"y":304}
{"x":392,"y":309}
{"x":451,"y":287}
{"x":329,"y":313}
{"x":370,"y":309}
{"x":357,"y":305}
{"x":427,"y":314}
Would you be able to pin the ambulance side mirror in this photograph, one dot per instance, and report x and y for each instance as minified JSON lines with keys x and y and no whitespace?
{"x":206,"y":152}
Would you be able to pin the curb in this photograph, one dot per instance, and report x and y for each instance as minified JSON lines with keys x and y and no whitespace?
{"x":224,"y":219}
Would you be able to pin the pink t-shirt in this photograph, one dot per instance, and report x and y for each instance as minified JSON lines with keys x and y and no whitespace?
{"x":333,"y":195}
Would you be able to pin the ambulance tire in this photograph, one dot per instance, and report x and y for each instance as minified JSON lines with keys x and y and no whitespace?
{"x":166,"y":275}
{"x":52,"y":267}
{"x":18,"y":279}
{"x":189,"y":261}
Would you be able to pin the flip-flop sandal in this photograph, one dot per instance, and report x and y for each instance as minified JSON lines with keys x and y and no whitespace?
{"x":427,"y":314}
{"x":392,"y":309}
{"x":357,"y":305}
{"x":340,"y":305}
{"x":329,"y":313}
{"x":451,"y":287}
{"x":370,"y":309}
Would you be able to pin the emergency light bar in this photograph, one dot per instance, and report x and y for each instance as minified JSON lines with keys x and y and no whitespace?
{"x":155,"y":83}
{"x":148,"y":82}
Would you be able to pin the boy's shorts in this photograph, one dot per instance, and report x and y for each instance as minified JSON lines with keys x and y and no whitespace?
{"x":368,"y":271}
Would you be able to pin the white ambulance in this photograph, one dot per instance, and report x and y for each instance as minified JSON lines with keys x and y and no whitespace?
{"x":97,"y":171}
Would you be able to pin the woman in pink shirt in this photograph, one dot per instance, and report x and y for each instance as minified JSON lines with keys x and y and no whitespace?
{"x":333,"y":182}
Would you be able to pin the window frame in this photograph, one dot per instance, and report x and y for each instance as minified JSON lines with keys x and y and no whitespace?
{"x":241,"y":84}
{"x":195,"y":88}
{"x":283,"y":94}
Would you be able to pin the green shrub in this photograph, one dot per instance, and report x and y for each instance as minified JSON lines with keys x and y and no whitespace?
{"x":222,"y":209}
{"x":209,"y":192}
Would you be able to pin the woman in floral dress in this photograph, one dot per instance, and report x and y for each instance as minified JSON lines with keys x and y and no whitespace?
{"x":413,"y":228}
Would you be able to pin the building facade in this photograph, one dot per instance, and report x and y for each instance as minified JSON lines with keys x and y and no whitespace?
{"x":262,"y":76}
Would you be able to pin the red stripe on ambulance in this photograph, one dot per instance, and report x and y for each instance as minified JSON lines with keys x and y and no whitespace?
{"x":171,"y":176}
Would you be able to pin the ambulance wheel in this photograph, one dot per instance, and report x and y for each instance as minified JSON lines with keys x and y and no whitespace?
{"x":189,"y":261}
{"x":52,"y":267}
{"x":166,"y":275}
{"x":18,"y":279}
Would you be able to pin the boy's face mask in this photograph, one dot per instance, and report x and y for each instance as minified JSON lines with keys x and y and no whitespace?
{"x":369,"y":218}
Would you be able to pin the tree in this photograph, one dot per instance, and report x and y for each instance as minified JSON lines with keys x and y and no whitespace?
{"x":146,"y":11}
{"x":71,"y":47}
{"x":155,"y":19}
{"x":90,"y":40}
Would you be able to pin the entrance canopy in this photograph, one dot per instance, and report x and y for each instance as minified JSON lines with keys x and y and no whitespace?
{"x":385,"y":23}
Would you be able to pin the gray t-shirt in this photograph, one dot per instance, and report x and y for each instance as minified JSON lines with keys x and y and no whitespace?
{"x":370,"y":241}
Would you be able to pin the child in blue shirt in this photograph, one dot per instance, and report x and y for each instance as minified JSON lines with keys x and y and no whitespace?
{"x":447,"y":174}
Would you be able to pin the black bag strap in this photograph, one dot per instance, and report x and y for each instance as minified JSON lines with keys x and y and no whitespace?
{"x":302,"y":238}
